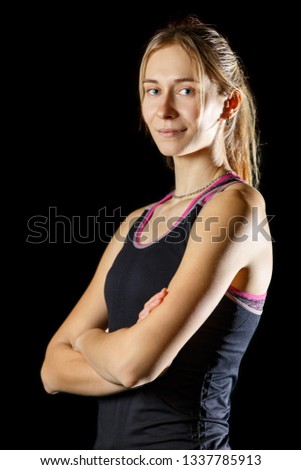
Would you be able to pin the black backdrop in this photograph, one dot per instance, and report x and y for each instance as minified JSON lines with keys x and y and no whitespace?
{"x":82,"y":156}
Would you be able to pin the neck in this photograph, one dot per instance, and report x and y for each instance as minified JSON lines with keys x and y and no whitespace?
{"x":194,"y":174}
{"x":194,"y":170}
{"x":202,"y":188}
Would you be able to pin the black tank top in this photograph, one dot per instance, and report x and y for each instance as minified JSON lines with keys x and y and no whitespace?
{"x":189,"y":406}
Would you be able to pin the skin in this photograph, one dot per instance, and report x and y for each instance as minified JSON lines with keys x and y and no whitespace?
{"x":82,"y":357}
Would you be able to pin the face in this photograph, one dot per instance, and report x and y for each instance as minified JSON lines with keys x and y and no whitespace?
{"x":171,"y":106}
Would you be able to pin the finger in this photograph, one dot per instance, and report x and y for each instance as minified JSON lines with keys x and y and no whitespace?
{"x":143,"y":314}
{"x":152,"y":303}
{"x":149,"y":306}
{"x":159,"y":295}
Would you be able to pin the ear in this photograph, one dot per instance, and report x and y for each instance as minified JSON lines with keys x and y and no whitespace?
{"x":231,"y":105}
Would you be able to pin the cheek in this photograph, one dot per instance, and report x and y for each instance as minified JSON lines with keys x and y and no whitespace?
{"x":214,"y":107}
{"x":191,"y":111}
{"x":146,"y":112}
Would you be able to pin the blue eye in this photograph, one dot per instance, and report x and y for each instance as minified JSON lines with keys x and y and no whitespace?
{"x":153,"y":91}
{"x":186,"y":91}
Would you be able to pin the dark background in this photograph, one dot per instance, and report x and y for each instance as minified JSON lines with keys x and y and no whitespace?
{"x":81,"y":151}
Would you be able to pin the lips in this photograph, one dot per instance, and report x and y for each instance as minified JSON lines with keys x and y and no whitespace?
{"x":165,"y":132}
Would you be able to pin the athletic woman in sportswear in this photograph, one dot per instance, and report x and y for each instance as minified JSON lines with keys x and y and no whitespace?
{"x":160,"y":331}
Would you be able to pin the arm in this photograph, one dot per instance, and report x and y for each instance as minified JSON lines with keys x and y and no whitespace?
{"x":65,"y":369}
{"x":225,"y":250}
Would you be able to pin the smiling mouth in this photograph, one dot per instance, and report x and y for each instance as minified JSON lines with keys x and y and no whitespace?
{"x":170,"y":132}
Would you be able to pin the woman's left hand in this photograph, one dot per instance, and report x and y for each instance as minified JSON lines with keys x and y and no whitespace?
{"x":152,"y":303}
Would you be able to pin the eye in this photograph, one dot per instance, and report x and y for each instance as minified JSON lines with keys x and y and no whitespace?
{"x":186,"y":91}
{"x":152,"y":91}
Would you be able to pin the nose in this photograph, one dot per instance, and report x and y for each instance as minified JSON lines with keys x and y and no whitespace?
{"x":166,"y":109}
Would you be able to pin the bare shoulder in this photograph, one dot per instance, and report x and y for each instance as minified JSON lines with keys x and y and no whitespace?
{"x":238,"y":212}
{"x":231,"y":236}
{"x":239,"y":199}
{"x":246,"y":192}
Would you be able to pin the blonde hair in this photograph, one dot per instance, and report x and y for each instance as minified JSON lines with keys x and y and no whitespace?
{"x":214,"y":57}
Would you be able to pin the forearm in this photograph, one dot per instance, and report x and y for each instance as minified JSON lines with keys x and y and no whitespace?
{"x":109,"y":354}
{"x":66,"y":370}
{"x":98,"y":349}
{"x":121,"y":357}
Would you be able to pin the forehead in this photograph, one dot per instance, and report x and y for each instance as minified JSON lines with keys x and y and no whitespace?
{"x":170,"y":61}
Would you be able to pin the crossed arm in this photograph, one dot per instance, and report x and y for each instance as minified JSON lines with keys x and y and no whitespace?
{"x":66,"y":370}
{"x":83,"y":358}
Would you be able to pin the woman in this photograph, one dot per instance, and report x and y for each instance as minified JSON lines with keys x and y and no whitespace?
{"x":160,"y":332}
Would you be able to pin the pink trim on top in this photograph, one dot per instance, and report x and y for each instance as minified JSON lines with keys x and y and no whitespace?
{"x":222,"y":179}
{"x":248,"y":296}
{"x":183,"y":215}
{"x":149,"y":215}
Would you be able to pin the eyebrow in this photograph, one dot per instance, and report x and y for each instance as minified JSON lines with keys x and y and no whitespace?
{"x":176,"y":80}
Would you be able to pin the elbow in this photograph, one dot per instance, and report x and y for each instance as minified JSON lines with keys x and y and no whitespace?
{"x":130,"y":380}
{"x":131,"y":376}
{"x":48,"y":380}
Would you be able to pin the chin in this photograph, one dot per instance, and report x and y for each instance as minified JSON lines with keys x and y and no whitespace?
{"x":170,"y":150}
